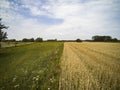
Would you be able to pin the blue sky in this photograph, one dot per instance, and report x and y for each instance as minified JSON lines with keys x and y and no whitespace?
{"x":61,"y":19}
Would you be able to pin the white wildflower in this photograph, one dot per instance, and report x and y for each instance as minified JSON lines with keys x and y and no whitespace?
{"x":34,"y":78}
{"x":14,"y":79}
{"x":48,"y":88}
{"x":38,"y":76}
{"x":37,"y":79}
{"x":16,"y":86}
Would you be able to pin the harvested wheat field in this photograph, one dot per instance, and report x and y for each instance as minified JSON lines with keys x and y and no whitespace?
{"x":90,"y":66}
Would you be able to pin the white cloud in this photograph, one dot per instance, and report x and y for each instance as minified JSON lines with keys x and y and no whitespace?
{"x":4,"y":4}
{"x":27,"y":28}
{"x":81,"y":18}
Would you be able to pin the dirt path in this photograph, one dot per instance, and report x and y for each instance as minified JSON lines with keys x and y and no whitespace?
{"x":82,"y":69}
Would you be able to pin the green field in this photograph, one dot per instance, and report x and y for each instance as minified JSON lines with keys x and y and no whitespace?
{"x":30,"y":67}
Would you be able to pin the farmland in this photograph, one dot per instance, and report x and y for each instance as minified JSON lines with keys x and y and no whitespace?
{"x":30,"y":67}
{"x":60,"y":66}
{"x":90,"y":66}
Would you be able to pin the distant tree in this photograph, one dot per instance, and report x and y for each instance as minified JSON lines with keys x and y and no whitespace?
{"x":52,"y":40}
{"x":11,"y":40}
{"x":28,"y":40}
{"x":115,"y":40}
{"x":38,"y":39}
{"x":32,"y":40}
{"x":78,"y":40}
{"x":107,"y":38}
{"x":102,"y":38}
{"x":97,"y":38}
{"x":24,"y":40}
{"x":3,"y":35}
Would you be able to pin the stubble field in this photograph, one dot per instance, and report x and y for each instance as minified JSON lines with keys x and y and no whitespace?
{"x":90,"y":66}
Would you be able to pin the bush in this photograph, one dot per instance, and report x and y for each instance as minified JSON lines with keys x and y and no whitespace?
{"x":78,"y":40}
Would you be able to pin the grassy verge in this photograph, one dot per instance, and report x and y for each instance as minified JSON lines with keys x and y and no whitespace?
{"x":13,"y":44}
{"x":31,"y":67}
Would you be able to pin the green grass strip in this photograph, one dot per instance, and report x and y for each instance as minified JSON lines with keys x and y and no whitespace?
{"x":31,"y":67}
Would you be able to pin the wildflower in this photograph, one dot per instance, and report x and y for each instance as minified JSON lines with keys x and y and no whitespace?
{"x":16,"y":86}
{"x":38,"y":76}
{"x":14,"y":79}
{"x":37,"y":79}
{"x":48,"y":88}
{"x":34,"y":78}
{"x":52,"y":80}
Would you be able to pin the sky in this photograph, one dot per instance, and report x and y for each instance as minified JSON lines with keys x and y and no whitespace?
{"x":60,"y":19}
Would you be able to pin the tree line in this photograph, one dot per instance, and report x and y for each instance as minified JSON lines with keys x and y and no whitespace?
{"x":32,"y":40}
{"x":39,"y":39}
{"x":98,"y":38}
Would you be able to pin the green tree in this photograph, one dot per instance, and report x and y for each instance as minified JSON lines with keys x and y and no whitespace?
{"x":32,"y":40}
{"x":115,"y":40}
{"x":25,"y":40}
{"x":39,"y":39}
{"x":3,"y":35}
{"x":78,"y":40}
{"x":102,"y":38}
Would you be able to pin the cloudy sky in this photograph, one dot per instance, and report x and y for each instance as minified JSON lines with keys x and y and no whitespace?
{"x":61,"y":19}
